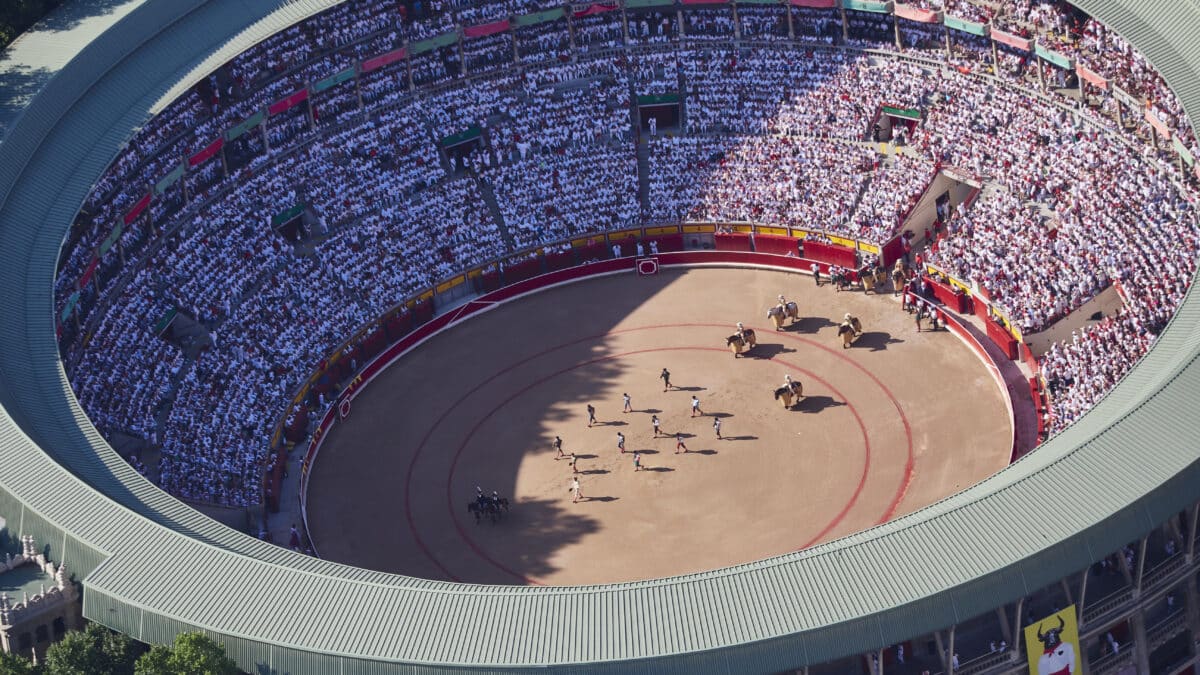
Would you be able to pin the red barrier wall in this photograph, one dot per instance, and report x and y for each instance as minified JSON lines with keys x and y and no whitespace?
{"x":775,"y":244}
{"x":732,"y":242}
{"x":949,"y":296}
{"x":830,"y":253}
{"x":1003,"y":339}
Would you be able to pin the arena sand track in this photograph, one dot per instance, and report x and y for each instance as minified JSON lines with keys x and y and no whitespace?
{"x":899,"y":421}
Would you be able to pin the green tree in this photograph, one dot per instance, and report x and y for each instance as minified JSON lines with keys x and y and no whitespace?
{"x":16,"y":16}
{"x":95,"y":650}
{"x":192,"y":654}
{"x":11,"y":664}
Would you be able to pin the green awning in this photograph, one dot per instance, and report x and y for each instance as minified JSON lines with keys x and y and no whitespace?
{"x":539,"y":17}
{"x":110,"y":240}
{"x":965,"y":26}
{"x":1057,"y":58}
{"x":443,"y":40}
{"x":867,"y":6}
{"x":658,"y":99}
{"x":69,"y":309}
{"x":462,"y":137}
{"x":634,"y":4}
{"x":168,"y":180}
{"x":165,"y":321}
{"x":284,"y":216}
{"x":334,"y":80}
{"x":909,"y":113}
{"x":1183,"y":151}
{"x":245,"y":125}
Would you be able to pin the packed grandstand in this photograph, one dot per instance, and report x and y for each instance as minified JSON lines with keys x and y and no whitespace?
{"x":358,"y":118}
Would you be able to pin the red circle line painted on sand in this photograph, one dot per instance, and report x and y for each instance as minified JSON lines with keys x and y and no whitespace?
{"x":441,"y":418}
{"x":862,"y":480}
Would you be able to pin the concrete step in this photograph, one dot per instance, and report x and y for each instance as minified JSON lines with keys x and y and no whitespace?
{"x":489,"y":198}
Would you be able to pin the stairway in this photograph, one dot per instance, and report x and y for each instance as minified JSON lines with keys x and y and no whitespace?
{"x":489,"y":198}
{"x":643,"y":169}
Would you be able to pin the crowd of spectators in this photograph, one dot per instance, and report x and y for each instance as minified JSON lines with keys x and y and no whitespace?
{"x":1072,"y":211}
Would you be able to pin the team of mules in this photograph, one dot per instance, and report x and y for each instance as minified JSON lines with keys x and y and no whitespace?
{"x":780,"y":312}
{"x":789,"y":394}
{"x":740,"y":343}
{"x":848,"y":330}
{"x":493,"y":507}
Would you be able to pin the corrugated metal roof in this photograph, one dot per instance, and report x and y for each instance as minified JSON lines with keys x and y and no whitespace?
{"x":165,"y":567}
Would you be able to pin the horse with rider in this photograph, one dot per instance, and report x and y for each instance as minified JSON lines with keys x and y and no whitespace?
{"x":790,"y":393}
{"x":487,"y":506}
{"x":849,"y":329}
{"x":743,"y":340}
{"x":783,"y":310}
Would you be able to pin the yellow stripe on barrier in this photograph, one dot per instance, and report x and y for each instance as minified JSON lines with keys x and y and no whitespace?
{"x":869,"y":248}
{"x":661,"y":230}
{"x":447,"y":285}
{"x":842,"y":241}
{"x":698,"y":228}
{"x":779,"y":231}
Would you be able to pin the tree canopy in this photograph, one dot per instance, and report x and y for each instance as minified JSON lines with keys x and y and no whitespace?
{"x":16,"y":16}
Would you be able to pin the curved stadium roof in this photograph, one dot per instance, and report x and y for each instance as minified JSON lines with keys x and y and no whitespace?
{"x":152,"y":566}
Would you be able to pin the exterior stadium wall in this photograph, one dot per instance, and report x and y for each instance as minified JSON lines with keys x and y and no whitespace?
{"x":291,"y":614}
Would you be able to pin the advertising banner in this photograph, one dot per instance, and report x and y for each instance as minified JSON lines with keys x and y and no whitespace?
{"x":917,"y":14}
{"x":1059,"y":59}
{"x":288,"y":102}
{"x":1159,"y":126}
{"x":486,"y":29}
{"x":245,"y":125}
{"x":348,"y":74}
{"x":595,"y":9}
{"x":1091,"y":77}
{"x":867,"y":6}
{"x":443,"y":40}
{"x":1014,"y":41}
{"x":207,"y":153}
{"x":1052,"y":644}
{"x":137,"y":209}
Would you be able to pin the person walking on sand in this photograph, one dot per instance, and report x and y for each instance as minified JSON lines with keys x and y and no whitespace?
{"x":558,"y":447}
{"x":575,"y":489}
{"x":679,"y":443}
{"x":628,"y":403}
{"x":696,"y":407}
{"x":654,"y":421}
{"x":621,"y":442}
{"x":665,"y":376}
{"x":591,"y":414}
{"x":574,"y":464}
{"x":717,"y":426}
{"x":637,"y":461}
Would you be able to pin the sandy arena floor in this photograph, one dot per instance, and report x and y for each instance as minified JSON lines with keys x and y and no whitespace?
{"x":898,"y":421}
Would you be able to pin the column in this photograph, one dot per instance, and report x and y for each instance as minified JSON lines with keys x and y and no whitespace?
{"x":1141,"y":644}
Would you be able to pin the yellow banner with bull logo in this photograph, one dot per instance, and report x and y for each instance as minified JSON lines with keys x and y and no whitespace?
{"x":1052,"y":644}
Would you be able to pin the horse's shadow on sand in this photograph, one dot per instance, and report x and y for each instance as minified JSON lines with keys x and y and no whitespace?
{"x":768,"y":351}
{"x":876,"y":341}
{"x":810,"y":325}
{"x":815,"y":404}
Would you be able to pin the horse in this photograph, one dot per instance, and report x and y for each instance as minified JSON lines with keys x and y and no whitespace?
{"x":740,"y":343}
{"x":789,"y":394}
{"x":899,"y":275}
{"x":880,"y":276}
{"x":492,"y":507}
{"x":779,"y":312}
{"x":846,"y":332}
{"x":776,"y":314}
